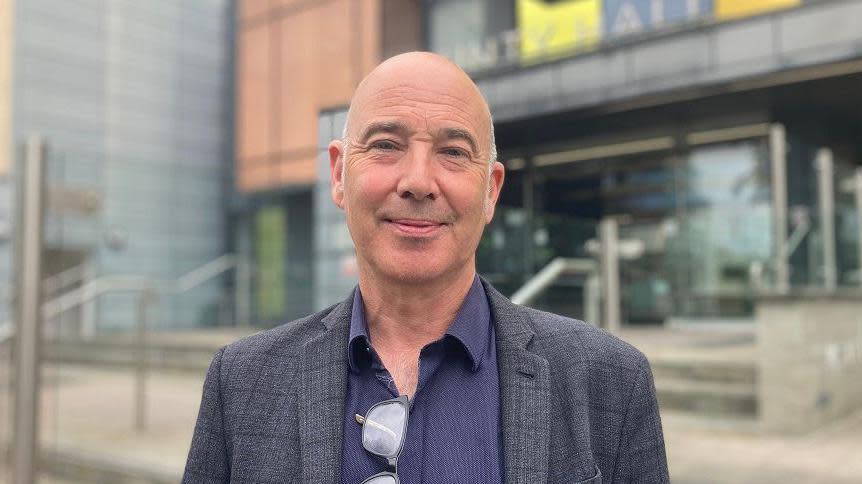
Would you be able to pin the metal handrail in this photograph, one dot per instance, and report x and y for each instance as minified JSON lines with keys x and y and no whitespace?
{"x":95,"y":288}
{"x":57,"y":282}
{"x":546,"y":277}
{"x":759,"y":270}
{"x":557,"y":268}
{"x":204,"y":273}
{"x":126,"y":283}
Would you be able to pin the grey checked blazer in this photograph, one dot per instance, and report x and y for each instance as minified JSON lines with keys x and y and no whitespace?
{"x":577,"y":404}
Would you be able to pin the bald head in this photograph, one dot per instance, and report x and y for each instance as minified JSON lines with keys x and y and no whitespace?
{"x":421,"y":76}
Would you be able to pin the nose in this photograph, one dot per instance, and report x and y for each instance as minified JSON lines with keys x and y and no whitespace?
{"x":417,"y":180}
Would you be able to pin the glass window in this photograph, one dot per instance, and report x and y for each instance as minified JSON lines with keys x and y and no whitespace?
{"x":270,"y":248}
{"x":723,"y":228}
{"x":703,"y":218}
{"x":471,"y":32}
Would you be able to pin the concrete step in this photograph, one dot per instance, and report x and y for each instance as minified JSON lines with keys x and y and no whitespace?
{"x":676,"y":420}
{"x":75,"y":465}
{"x":704,"y":370}
{"x":707,"y":398}
{"x":124,"y":355}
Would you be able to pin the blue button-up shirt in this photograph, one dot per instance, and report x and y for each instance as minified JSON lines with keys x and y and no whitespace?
{"x":453,"y":431}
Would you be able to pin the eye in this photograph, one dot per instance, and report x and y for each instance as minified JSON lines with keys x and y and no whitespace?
{"x":384,"y":145}
{"x":454,"y":152}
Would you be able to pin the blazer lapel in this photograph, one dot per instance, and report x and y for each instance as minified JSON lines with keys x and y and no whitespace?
{"x":321,"y":398}
{"x":524,"y":394}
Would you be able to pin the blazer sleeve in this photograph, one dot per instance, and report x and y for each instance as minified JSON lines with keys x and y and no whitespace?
{"x":208,"y":460}
{"x":641,"y":457}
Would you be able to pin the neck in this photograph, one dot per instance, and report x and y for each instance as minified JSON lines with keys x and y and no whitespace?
{"x":406,"y":317}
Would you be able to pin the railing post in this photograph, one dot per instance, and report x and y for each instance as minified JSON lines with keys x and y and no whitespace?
{"x":826,"y":204}
{"x":778,"y":163}
{"x":610,"y":270}
{"x":88,"y":309}
{"x":25,"y":447}
{"x":592,"y":299}
{"x":144,"y":304}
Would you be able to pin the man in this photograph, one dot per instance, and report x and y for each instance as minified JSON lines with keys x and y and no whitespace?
{"x":496,"y":392}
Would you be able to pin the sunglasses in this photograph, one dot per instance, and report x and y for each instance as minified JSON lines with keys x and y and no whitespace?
{"x":383,"y":430}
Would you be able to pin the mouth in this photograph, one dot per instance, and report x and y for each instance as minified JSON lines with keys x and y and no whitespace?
{"x":415,"y":227}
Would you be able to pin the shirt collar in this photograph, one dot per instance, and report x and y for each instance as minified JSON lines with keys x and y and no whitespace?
{"x":471,"y":328}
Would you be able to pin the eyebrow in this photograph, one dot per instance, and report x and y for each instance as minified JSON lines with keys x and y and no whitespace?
{"x":458,"y":133}
{"x":394,"y":127}
{"x":401,"y":129}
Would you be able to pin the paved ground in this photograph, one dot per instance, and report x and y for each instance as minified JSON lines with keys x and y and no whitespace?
{"x":829,"y":455}
{"x":91,"y":411}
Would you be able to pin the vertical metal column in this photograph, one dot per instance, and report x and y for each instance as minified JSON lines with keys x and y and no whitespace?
{"x":592,"y":298}
{"x":858,"y":183}
{"x":826,"y":204}
{"x":242,"y":275}
{"x":528,"y":201}
{"x":26,"y":437}
{"x":88,"y":309}
{"x":610,"y":271}
{"x":144,"y":303}
{"x":778,"y":162}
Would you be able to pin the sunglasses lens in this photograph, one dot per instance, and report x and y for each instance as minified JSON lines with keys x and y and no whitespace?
{"x":383,"y":431}
{"x":384,"y":479}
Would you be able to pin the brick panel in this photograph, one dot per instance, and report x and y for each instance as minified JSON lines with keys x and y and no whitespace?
{"x":254,"y":91}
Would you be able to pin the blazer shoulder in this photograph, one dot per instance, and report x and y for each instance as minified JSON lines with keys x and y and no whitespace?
{"x":563,"y":337}
{"x":284,"y":339}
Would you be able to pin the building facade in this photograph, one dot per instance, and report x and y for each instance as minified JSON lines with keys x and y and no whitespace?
{"x":134,"y":103}
{"x":721,"y":137}
{"x":705,"y":128}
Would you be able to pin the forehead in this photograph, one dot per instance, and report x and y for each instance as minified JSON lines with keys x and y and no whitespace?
{"x":424,"y":104}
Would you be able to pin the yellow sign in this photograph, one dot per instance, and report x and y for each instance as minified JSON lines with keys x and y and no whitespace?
{"x":551,"y":29}
{"x":727,"y":9}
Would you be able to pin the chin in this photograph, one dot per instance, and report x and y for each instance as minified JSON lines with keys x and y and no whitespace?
{"x":410,"y":268}
{"x":413,"y":273}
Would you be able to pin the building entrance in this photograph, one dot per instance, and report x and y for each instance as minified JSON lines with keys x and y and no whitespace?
{"x":700,"y":217}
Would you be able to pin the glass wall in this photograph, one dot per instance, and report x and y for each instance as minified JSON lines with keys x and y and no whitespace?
{"x":847,"y":229}
{"x":721,"y":227}
{"x":702,"y":216}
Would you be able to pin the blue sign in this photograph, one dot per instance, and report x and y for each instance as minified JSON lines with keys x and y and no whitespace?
{"x":625,"y":17}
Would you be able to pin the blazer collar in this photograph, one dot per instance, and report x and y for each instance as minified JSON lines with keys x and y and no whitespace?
{"x":525,"y":392}
{"x":321,"y":407}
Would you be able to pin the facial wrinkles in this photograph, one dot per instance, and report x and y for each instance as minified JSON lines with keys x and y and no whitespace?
{"x":421,"y":109}
{"x":397,"y":207}
{"x":442,"y":106}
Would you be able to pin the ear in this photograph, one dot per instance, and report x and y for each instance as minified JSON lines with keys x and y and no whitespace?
{"x":495,"y":184}
{"x":336,"y":172}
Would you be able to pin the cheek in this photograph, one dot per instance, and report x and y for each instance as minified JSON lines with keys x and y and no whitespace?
{"x":469,"y":198}
{"x":366,"y":191}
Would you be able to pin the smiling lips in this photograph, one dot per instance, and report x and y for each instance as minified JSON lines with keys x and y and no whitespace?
{"x":415,"y":227}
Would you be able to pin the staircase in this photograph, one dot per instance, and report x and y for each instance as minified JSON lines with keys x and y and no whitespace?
{"x":189,"y":351}
{"x":726,"y":389}
{"x":702,"y":379}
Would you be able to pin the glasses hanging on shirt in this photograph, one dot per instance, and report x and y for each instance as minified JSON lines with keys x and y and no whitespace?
{"x":384,"y":428}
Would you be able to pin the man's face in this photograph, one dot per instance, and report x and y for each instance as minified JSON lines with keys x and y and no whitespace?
{"x":416,"y":187}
